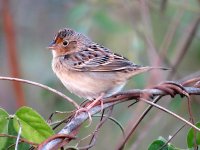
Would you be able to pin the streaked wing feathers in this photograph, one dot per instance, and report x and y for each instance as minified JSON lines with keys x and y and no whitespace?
{"x":96,"y":60}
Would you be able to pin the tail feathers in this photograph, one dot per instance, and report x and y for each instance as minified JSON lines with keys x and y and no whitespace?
{"x":161,"y":68}
{"x":138,"y":70}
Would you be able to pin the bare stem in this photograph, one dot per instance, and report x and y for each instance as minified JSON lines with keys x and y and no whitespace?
{"x":42,"y":86}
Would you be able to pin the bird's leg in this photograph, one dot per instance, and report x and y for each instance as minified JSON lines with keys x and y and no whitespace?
{"x":87,"y":108}
{"x":96,"y":101}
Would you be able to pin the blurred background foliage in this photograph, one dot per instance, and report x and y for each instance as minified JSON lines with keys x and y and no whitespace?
{"x":142,"y":31}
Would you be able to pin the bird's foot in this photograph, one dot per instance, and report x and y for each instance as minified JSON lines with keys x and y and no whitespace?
{"x":89,"y":106}
{"x":83,"y":109}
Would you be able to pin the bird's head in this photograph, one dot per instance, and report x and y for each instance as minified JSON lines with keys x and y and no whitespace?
{"x":68,"y":41}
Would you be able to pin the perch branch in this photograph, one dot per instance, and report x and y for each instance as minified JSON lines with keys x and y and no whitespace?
{"x":118,"y":98}
{"x":74,"y":122}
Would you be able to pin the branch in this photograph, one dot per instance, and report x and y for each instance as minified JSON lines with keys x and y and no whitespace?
{"x":184,"y":44}
{"x":119,"y":98}
{"x":21,"y":139}
{"x":167,"y":88}
{"x":76,"y":122}
{"x":42,"y":86}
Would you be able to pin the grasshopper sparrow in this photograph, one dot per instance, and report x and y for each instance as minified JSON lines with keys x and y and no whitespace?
{"x":88,"y":69}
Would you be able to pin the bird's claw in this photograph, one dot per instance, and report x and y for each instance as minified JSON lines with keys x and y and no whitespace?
{"x":80,"y":110}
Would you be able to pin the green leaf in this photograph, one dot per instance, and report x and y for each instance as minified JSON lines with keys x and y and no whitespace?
{"x":3,"y":127}
{"x":34,"y":127}
{"x":157,"y":144}
{"x":11,"y":141}
{"x":190,"y":137}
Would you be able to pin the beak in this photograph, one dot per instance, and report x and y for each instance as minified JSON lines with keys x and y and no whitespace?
{"x":52,"y":45}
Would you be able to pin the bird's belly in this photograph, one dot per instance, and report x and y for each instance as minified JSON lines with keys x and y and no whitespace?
{"x":91,"y":85}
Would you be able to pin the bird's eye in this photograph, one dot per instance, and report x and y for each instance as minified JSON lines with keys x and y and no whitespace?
{"x":65,"y":43}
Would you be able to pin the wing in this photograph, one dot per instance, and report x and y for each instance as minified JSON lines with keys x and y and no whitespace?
{"x":96,"y":58}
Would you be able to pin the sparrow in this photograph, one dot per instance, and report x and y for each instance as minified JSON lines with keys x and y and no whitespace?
{"x":88,"y":69}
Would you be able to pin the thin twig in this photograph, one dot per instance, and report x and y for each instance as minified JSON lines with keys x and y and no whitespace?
{"x":192,"y":120}
{"x":19,"y":134}
{"x":183,"y":45}
{"x":42,"y":86}
{"x":172,"y":136}
{"x":115,"y":121}
{"x":122,"y":144}
{"x":169,"y":36}
{"x":152,"y":52}
{"x":10,"y":146}
{"x":94,"y":135}
{"x":171,"y":113}
{"x":21,"y":139}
